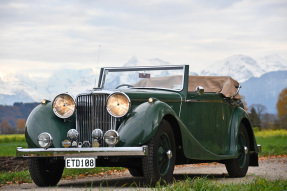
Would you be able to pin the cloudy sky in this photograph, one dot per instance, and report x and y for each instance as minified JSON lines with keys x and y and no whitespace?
{"x":38,"y":35}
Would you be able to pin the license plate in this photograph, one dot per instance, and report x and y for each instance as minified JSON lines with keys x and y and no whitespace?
{"x":80,"y":162}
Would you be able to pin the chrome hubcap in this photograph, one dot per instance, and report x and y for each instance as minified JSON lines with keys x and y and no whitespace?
{"x":246,"y":150}
{"x":169,"y":154}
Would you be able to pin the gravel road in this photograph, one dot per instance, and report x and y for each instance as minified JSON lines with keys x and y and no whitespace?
{"x":270,"y":168}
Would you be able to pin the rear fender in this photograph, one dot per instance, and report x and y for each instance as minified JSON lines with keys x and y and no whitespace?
{"x":240,"y":116}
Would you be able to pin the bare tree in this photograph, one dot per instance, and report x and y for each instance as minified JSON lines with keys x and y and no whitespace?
{"x":5,"y":127}
{"x":259,"y":109}
{"x":20,"y":125}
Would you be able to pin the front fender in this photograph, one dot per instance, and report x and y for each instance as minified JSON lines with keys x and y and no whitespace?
{"x":42,"y":119}
{"x":142,"y":123}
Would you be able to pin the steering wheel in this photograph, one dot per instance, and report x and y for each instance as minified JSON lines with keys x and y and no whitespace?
{"x":128,"y":85}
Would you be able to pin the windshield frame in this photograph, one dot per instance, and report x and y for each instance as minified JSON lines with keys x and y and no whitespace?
{"x":140,"y":68}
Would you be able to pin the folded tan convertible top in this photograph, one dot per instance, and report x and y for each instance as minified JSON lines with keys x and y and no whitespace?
{"x":218,"y":84}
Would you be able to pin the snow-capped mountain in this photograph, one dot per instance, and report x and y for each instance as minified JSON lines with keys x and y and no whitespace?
{"x":25,"y":87}
{"x":112,"y":79}
{"x":242,"y":67}
{"x":272,"y":63}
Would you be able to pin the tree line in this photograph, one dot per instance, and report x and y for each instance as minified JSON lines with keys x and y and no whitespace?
{"x":263,"y":120}
{"x":13,"y":118}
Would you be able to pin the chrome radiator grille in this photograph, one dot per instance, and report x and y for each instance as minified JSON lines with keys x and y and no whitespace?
{"x":92,"y":114}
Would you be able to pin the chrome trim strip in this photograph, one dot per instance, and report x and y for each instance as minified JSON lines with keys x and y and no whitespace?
{"x":71,"y":152}
{"x":145,"y":100}
{"x":181,"y":100}
{"x":205,"y":101}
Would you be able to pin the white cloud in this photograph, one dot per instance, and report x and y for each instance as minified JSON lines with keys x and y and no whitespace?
{"x":57,"y":34}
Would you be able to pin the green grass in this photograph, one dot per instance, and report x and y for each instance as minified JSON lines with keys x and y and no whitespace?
{"x":9,"y":149}
{"x":270,"y":133}
{"x":187,"y":184}
{"x":9,"y":143}
{"x":12,"y":138}
{"x":24,"y":175}
{"x":15,"y":177}
{"x":207,"y":184}
{"x":273,"y":142}
{"x":273,"y":145}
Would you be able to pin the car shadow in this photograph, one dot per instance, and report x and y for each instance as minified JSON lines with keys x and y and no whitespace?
{"x":133,"y":182}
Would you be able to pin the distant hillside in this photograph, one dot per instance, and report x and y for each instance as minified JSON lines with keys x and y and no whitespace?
{"x":265,"y":89}
{"x":17,"y":111}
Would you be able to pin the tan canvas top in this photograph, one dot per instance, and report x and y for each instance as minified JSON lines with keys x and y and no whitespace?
{"x":218,"y":84}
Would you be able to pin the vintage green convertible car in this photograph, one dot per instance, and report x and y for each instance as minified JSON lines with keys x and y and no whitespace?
{"x":146,"y":119}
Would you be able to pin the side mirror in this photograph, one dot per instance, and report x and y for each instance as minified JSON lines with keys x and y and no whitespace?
{"x":199,"y":90}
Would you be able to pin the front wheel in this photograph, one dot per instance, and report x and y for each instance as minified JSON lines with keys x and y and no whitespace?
{"x":46,"y":171}
{"x":136,"y":172}
{"x":238,"y":167}
{"x":158,"y":166}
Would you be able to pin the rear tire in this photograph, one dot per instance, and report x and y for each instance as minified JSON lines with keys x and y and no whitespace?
{"x":158,"y":166}
{"x":46,"y":171}
{"x":238,"y":167}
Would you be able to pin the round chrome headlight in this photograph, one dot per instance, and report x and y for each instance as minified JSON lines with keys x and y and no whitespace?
{"x":45,"y":140}
{"x":111,"y":137}
{"x":64,"y":106}
{"x":97,"y":134}
{"x":72,"y":134}
{"x":118,"y":104}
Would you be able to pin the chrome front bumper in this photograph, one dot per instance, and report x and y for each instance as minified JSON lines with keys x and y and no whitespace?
{"x":81,"y":152}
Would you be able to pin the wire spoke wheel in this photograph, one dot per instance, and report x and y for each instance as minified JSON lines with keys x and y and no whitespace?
{"x":158,"y":166}
{"x":238,"y":167}
{"x":242,"y":145}
{"x":163,"y":160}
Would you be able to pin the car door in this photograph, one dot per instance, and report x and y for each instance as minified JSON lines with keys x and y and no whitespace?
{"x":207,"y":118}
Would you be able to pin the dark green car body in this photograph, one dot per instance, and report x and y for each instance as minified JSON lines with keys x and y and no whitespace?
{"x":206,"y":127}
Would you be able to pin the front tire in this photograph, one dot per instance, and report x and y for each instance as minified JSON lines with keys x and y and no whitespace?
{"x":46,"y":171}
{"x":136,"y":172}
{"x":158,"y":166}
{"x":238,"y":167}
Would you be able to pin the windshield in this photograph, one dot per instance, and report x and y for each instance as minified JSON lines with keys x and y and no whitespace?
{"x":168,"y":77}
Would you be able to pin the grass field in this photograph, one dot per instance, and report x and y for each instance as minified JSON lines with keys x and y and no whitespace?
{"x":206,"y":184}
{"x":12,"y":138}
{"x":187,"y":184}
{"x":9,"y":149}
{"x":274,"y":142}
{"x":24,"y":176}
